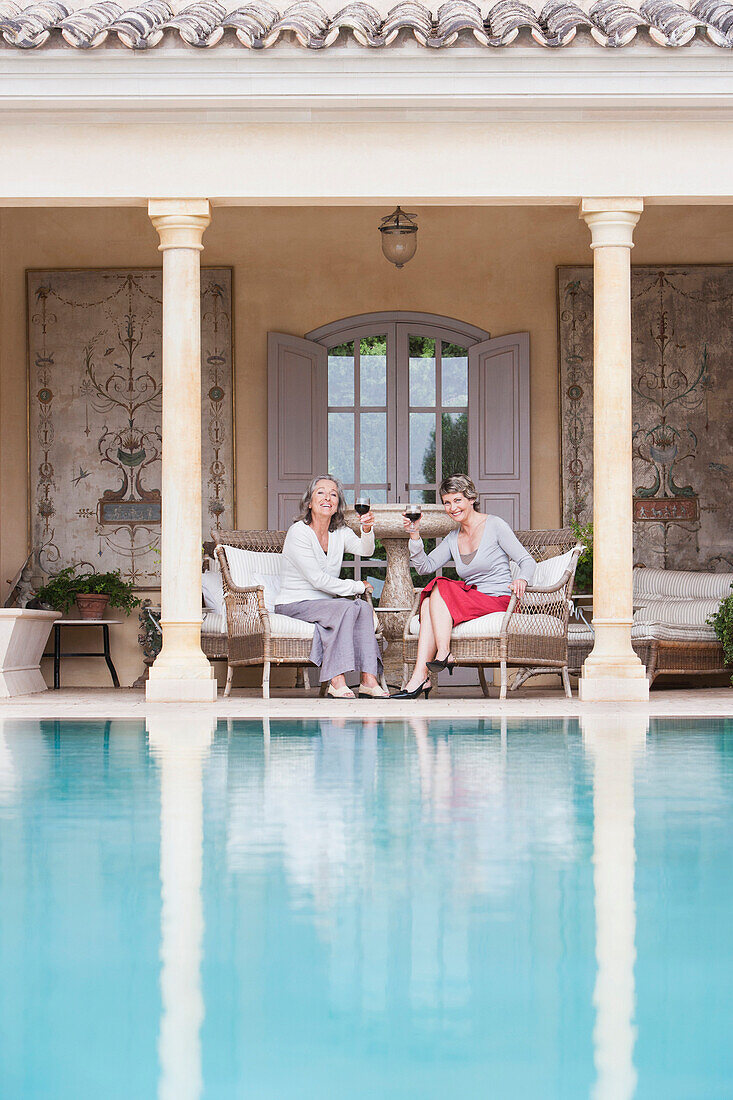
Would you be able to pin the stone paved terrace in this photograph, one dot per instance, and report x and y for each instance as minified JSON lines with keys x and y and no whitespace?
{"x":457,"y":703}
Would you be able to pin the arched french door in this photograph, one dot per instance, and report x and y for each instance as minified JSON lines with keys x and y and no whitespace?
{"x":393,"y":402}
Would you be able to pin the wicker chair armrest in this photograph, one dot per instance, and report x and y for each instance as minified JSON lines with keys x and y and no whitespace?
{"x":247,"y":589}
{"x":513,"y":603}
{"x":246,"y":611}
{"x":549,"y":589}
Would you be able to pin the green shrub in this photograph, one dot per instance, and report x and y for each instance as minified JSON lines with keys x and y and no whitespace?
{"x":60,"y":590}
{"x":722,"y":624}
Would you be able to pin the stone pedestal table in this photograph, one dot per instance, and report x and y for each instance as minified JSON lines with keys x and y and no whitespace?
{"x":398,"y":593}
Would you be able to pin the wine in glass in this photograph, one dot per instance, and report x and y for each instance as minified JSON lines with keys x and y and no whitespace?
{"x":413,"y":511}
{"x":362,"y":505}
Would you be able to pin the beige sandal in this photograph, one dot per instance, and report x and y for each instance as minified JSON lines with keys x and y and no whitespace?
{"x":376,"y":692}
{"x":340,"y":693}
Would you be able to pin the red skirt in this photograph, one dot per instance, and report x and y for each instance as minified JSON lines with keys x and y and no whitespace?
{"x":464,"y":601}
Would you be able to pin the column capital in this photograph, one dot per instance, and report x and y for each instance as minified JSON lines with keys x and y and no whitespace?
{"x":180,"y":222}
{"x":611,"y":221}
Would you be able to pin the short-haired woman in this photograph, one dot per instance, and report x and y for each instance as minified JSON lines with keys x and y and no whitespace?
{"x":481,"y":548}
{"x":312,"y":590}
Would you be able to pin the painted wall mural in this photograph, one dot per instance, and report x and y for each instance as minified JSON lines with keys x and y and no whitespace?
{"x":682,"y":385}
{"x":95,"y":389}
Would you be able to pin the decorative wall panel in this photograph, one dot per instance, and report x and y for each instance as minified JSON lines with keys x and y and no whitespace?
{"x":95,"y":391}
{"x":682,"y":380}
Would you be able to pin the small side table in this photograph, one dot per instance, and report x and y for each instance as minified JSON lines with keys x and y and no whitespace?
{"x":57,"y":654}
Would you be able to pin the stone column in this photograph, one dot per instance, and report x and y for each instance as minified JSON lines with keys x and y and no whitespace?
{"x":612,"y":671}
{"x":181,"y":671}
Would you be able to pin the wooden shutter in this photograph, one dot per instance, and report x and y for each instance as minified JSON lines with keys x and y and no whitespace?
{"x":297,"y":395}
{"x":498,"y":426}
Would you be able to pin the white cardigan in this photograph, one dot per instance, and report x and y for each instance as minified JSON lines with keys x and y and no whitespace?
{"x":309,"y":574}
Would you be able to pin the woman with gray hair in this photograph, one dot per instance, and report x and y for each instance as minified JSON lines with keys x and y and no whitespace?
{"x":312,"y":590}
{"x":480,"y":548}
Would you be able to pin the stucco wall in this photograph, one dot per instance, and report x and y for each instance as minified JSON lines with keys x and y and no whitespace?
{"x":296,"y":269}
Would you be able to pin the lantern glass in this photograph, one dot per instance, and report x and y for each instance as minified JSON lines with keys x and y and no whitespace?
{"x":399,"y":245}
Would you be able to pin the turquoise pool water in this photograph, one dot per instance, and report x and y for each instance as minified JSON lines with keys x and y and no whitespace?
{"x":473,"y":909}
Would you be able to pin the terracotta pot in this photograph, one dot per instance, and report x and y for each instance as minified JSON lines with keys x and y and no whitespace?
{"x":91,"y":605}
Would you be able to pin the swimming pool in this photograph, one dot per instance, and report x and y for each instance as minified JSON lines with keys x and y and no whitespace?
{"x":385,"y":909}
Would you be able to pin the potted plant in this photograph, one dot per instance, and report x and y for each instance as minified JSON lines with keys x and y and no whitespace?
{"x":722,"y":624}
{"x":584,"y":570}
{"x":90,"y":591}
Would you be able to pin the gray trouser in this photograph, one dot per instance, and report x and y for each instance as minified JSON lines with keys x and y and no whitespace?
{"x":344,"y":640}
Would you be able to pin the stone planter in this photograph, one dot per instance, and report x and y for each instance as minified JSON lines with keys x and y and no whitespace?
{"x":23,"y":636}
{"x":91,"y":605}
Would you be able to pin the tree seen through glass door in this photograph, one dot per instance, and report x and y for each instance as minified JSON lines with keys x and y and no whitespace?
{"x":438,"y":413}
{"x":371,"y":377}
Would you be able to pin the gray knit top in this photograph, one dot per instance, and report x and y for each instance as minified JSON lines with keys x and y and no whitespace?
{"x":489,"y":568}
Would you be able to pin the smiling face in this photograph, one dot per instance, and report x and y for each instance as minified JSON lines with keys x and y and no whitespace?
{"x":324,"y":499}
{"x":458,"y":507}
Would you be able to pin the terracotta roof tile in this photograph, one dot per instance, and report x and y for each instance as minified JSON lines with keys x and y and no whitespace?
{"x":259,"y":25}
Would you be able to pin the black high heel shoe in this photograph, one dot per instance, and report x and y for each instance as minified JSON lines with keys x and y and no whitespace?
{"x":425,"y":686}
{"x":441,"y":666}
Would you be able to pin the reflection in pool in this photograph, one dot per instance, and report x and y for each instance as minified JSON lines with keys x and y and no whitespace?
{"x":302,"y":909}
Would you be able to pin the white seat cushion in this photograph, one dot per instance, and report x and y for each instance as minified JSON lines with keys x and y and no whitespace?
{"x":214,"y":623}
{"x":489,"y":626}
{"x":684,"y":613}
{"x":486,"y":626}
{"x":672,"y":632}
{"x":648,"y":632}
{"x":684,"y":584}
{"x":282,"y":625}
{"x":582,"y":635}
{"x":285,"y":627}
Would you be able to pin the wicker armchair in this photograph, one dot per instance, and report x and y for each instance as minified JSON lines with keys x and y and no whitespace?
{"x":254,"y":635}
{"x":532,"y":637}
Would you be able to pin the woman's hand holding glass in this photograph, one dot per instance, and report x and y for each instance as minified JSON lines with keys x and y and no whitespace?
{"x":412,"y":525}
{"x":363,"y":508}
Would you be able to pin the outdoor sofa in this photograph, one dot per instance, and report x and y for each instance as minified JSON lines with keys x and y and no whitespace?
{"x":670,"y":632}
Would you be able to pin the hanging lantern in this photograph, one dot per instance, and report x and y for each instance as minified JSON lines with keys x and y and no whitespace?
{"x":399,"y":237}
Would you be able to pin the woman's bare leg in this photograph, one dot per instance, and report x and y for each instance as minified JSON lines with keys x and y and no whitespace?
{"x":425,"y":649}
{"x":442,"y":622}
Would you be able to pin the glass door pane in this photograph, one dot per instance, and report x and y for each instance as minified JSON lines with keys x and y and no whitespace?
{"x":453,"y":423}
{"x":359,"y":420}
{"x":373,"y":370}
{"x":433,"y":407}
{"x":422,"y":371}
{"x":341,"y":426}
